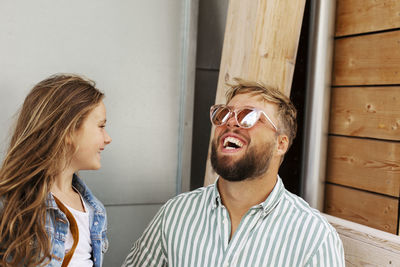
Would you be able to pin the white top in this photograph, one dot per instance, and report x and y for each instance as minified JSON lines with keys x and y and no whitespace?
{"x":83,"y":252}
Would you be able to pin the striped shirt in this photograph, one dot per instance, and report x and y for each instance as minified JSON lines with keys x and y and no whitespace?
{"x":193,"y":229}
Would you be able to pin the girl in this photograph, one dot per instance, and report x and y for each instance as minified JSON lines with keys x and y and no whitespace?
{"x":48,"y":216}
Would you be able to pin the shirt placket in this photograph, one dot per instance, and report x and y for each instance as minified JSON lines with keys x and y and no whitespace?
{"x":241,"y":236}
{"x":224,"y":226}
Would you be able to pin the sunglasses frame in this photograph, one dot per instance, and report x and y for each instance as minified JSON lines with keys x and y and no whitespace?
{"x":236,"y":111}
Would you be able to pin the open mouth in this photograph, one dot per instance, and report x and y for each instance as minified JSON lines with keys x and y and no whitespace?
{"x":232,"y":143}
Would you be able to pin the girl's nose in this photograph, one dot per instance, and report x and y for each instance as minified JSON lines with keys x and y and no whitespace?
{"x":107,"y":139}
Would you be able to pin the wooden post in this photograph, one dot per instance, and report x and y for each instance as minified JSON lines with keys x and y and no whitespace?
{"x":260,"y":44}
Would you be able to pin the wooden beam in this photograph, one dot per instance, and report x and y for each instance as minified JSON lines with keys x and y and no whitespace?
{"x":362,"y":207}
{"x":260,"y":44}
{"x":366,"y":111}
{"x":365,"y":164}
{"x":365,"y":246}
{"x":372,"y":59}
{"x":360,"y":16}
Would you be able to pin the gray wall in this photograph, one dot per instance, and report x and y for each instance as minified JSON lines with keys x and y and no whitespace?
{"x":141,"y":54}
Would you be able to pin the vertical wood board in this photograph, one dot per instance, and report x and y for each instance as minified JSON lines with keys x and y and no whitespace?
{"x":365,"y":164}
{"x":362,"y":207}
{"x":372,"y":59}
{"x":360,"y":16}
{"x":260,"y":44}
{"x":366,"y":112}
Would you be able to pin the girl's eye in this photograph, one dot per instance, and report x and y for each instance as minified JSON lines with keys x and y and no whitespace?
{"x":102,"y":126}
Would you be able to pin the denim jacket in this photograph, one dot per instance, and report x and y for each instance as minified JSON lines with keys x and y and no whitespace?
{"x":57,"y":226}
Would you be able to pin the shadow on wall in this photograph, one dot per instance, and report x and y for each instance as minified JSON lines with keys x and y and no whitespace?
{"x":211,"y":29}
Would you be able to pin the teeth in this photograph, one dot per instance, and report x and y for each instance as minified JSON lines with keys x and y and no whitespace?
{"x":233,"y":140}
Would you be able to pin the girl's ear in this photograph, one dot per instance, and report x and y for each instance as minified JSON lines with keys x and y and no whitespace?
{"x":282,"y":144}
{"x":69,"y":139}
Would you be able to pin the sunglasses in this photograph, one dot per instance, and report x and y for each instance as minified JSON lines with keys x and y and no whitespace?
{"x":246,"y":117}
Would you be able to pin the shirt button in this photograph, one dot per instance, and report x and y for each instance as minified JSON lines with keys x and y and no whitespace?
{"x":96,"y":223}
{"x":225,"y":221}
{"x":226,"y":264}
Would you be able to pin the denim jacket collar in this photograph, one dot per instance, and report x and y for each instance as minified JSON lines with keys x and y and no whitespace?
{"x":85,"y":193}
{"x":57,"y":225}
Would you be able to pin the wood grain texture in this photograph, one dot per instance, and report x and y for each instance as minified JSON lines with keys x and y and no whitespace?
{"x":260,"y":44}
{"x":372,"y":59}
{"x":365,"y":164}
{"x":365,"y":246}
{"x":362,"y":207}
{"x":366,"y":112}
{"x":357,"y":253}
{"x":360,"y":16}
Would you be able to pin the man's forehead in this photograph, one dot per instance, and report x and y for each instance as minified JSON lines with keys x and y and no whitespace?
{"x":249,"y":99}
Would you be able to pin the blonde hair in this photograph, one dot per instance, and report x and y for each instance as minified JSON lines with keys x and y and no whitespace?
{"x":39,"y":149}
{"x":286,"y":111}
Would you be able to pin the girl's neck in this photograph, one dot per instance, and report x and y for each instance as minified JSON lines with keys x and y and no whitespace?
{"x":62,"y":189}
{"x":63,"y":182}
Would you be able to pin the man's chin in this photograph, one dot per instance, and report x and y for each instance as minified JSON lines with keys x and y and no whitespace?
{"x":228,"y":161}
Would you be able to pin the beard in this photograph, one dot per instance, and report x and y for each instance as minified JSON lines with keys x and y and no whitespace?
{"x":252,"y":164}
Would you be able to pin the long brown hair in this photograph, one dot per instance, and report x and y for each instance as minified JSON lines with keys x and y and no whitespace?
{"x":39,"y":149}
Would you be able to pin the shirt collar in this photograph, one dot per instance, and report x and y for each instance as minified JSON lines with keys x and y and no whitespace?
{"x":268,"y":205}
{"x":274,"y":197}
{"x":216,"y":199}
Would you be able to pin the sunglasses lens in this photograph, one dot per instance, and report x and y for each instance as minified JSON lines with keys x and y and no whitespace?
{"x":247,"y":117}
{"x":219,"y":115}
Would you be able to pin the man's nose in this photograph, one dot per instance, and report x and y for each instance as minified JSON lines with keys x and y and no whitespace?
{"x":232,"y":121}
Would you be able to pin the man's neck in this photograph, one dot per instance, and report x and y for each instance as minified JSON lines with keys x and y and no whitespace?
{"x":243,"y":195}
{"x":239,"y":197}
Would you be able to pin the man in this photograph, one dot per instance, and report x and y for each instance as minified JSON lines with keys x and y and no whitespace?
{"x":247,"y":218}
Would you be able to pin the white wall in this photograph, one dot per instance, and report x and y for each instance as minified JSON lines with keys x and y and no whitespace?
{"x":141,"y":54}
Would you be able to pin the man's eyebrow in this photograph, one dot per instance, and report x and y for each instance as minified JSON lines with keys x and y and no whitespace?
{"x":103,"y":121}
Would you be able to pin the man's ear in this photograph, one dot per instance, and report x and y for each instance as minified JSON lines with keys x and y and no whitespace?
{"x":282,"y":144}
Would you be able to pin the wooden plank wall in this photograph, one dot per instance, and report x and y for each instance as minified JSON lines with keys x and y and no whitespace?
{"x":363,"y":165}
